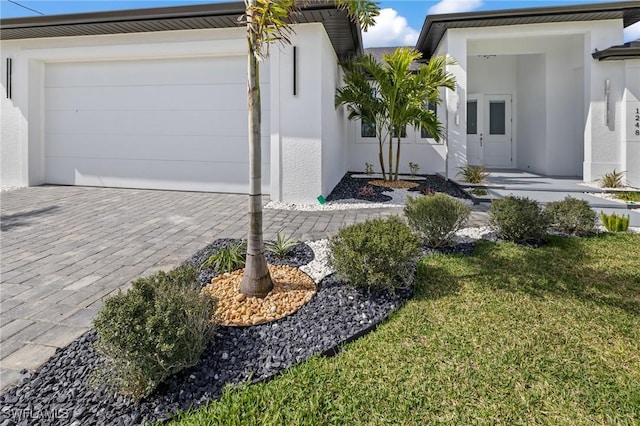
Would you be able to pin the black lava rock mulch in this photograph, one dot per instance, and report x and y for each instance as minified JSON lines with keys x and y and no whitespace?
{"x":350,"y":187}
{"x":465,"y":249}
{"x":59,"y":393}
{"x":299,"y":255}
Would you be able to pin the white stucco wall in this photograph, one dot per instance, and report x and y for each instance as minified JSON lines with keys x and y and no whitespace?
{"x":333,"y":120}
{"x":602,"y":142}
{"x":531,"y":114}
{"x":631,"y":119}
{"x":306,"y":129}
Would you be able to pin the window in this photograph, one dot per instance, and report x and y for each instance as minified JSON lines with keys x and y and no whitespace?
{"x":472,"y":117}
{"x":424,"y":133}
{"x":497,"y":118}
{"x":367,"y":128}
{"x":403,"y":133}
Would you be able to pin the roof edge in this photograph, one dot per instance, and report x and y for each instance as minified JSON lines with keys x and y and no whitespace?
{"x":443,"y":19}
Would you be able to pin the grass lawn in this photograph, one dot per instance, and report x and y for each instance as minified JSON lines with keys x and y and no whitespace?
{"x":510,"y":336}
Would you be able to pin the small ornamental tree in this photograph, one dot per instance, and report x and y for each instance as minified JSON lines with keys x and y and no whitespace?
{"x":270,"y":21}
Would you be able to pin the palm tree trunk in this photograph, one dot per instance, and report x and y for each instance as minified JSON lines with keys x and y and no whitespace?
{"x":381,"y":157}
{"x":256,"y":280}
{"x":397,"y":158}
{"x":390,"y":156}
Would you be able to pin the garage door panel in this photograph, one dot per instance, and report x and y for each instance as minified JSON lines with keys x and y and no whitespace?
{"x":213,"y":123}
{"x":176,"y":97}
{"x":170,"y":175}
{"x":184,"y":71}
{"x":165,"y":124}
{"x":190,"y":148}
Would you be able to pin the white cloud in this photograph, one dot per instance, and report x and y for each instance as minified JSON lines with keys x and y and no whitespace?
{"x":454,"y":6}
{"x":390,"y":29}
{"x":632,"y":32}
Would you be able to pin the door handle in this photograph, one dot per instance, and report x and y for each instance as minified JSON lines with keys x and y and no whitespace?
{"x":480,"y":139}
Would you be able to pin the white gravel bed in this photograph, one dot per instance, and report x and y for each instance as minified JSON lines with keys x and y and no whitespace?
{"x":341,"y":205}
{"x":398,"y":200}
{"x":318,"y":268}
{"x":10,"y":188}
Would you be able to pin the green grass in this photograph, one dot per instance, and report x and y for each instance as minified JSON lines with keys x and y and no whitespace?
{"x":511,"y":335}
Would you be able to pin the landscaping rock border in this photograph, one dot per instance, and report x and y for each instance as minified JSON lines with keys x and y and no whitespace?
{"x":58,"y":393}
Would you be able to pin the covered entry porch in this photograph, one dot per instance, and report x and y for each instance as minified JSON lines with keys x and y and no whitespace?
{"x":525,"y":104}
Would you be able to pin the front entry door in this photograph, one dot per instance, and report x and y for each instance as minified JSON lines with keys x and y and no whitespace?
{"x":489,"y":141}
{"x":497,"y":131}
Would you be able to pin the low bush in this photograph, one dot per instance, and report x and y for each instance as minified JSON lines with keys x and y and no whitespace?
{"x":628,"y":196}
{"x":612,"y":179}
{"x":377,"y":254}
{"x":518,"y":219}
{"x":281,"y":246}
{"x":473,"y":174}
{"x":571,"y":216}
{"x":614,"y":223}
{"x":228,"y":259}
{"x":437,"y":218}
{"x":157,"y":328}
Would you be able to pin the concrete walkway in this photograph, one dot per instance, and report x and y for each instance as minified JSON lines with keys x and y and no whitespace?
{"x":63,"y":249}
{"x":545,"y":189}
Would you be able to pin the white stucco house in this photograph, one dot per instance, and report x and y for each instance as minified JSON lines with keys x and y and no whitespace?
{"x":156,"y":98}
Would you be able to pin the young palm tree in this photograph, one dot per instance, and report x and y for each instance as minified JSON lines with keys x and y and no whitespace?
{"x":403,"y":96}
{"x":362,"y":103}
{"x":269,"y":21}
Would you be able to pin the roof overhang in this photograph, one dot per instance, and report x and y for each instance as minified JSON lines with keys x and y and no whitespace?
{"x":435,"y":26}
{"x":344,"y":34}
{"x":618,"y":53}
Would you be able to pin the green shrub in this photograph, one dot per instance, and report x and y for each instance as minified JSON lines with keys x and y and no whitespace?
{"x":571,"y":216}
{"x":281,"y":246}
{"x":518,"y":219}
{"x":612,"y":179}
{"x":473,"y":174}
{"x":157,"y":328}
{"x":437,"y":218}
{"x":615,"y":223}
{"x":227,"y":259}
{"x":377,"y":254}
{"x":628,"y":196}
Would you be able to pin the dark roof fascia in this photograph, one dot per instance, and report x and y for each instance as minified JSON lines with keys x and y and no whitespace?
{"x":435,"y":26}
{"x":172,"y":12}
{"x":36,"y":26}
{"x":618,"y":53}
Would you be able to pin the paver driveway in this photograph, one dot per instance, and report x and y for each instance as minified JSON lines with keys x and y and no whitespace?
{"x":63,"y":249}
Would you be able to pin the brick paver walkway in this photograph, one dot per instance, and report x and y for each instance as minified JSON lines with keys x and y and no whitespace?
{"x":63,"y":249}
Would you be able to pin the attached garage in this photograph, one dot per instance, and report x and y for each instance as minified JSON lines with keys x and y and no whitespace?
{"x":177,"y":124}
{"x":157,"y":99}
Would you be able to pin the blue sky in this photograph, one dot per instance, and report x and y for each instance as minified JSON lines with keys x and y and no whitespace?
{"x":399,"y":23}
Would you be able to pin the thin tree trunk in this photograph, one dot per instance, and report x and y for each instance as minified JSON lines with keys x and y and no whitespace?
{"x":381,"y":157}
{"x":390,"y":156}
{"x":256,"y":280}
{"x":397,"y":158}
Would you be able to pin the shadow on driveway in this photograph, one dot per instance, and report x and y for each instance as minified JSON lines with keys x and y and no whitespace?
{"x":17,"y":220}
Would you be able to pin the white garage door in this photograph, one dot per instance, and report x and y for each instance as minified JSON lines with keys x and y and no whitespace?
{"x":162,"y":124}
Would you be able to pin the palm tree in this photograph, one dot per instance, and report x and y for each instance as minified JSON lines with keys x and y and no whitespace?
{"x":403,"y":96}
{"x":362,"y":102}
{"x":269,"y":21}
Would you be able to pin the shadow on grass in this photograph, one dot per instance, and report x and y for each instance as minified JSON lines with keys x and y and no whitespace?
{"x":434,"y":282}
{"x":17,"y":220}
{"x":602,"y":269}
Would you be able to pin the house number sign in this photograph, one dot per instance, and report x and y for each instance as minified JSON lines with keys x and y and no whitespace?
{"x":633,"y":126}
